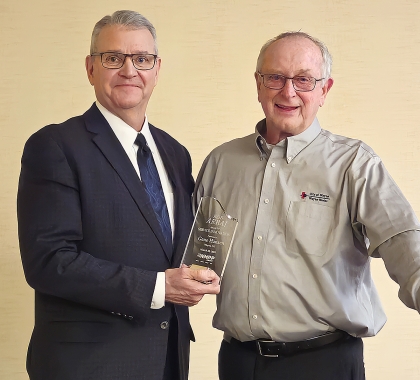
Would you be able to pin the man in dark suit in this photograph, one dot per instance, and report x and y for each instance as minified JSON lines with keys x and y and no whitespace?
{"x":103,"y":258}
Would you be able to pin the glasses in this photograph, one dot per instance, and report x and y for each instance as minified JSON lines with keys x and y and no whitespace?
{"x":300,"y":83}
{"x":112,"y":60}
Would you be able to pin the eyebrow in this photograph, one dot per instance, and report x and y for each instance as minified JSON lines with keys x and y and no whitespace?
{"x":120,"y":52}
{"x":305,"y":72}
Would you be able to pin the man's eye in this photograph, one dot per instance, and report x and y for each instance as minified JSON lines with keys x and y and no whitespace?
{"x":113,"y":59}
{"x":303,"y":80}
{"x":275,"y":78}
{"x":142,"y":59}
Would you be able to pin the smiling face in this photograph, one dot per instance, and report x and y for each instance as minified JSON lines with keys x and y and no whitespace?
{"x":287,"y":111}
{"x":126,"y":90}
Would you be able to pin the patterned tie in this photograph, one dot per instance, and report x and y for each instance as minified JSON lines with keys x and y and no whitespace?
{"x":153,"y":186}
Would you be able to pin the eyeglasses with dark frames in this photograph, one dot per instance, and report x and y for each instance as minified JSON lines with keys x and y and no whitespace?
{"x":114,"y":60}
{"x":278,"y":81}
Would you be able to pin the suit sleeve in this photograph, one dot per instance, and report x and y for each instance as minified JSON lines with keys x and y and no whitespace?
{"x":50,"y":233}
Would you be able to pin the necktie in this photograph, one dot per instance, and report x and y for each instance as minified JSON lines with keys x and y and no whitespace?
{"x":153,"y":186}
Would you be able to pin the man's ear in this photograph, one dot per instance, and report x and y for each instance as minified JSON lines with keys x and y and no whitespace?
{"x":327,"y":86}
{"x":158,"y":64}
{"x":258,"y":81}
{"x":89,"y":68}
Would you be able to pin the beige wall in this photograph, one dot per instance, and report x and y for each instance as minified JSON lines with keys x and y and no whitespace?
{"x":206,"y":96}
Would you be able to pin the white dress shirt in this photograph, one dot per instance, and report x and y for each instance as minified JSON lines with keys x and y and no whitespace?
{"x":127,"y":135}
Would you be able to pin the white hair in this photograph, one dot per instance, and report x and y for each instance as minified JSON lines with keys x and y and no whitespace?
{"x":326,"y":56}
{"x":128,"y":19}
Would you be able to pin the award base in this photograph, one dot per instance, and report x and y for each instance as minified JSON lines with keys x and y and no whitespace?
{"x":197,"y":267}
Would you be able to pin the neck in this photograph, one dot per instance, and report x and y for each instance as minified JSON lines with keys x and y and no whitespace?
{"x":134,"y":118}
{"x":274,"y":137}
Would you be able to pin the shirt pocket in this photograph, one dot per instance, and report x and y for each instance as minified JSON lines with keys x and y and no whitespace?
{"x":308,"y":228}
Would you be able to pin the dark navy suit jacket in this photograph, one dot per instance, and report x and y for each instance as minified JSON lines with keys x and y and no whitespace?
{"x":91,"y":248}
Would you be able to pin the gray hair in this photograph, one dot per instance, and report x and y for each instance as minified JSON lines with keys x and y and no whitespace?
{"x":127,"y":19}
{"x":326,"y":56}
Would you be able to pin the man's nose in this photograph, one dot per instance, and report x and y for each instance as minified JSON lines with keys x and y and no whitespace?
{"x":128,"y":68}
{"x":288,"y":88}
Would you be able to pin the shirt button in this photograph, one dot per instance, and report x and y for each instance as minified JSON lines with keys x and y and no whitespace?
{"x":254,"y":275}
{"x":164,"y":325}
{"x":289,"y":158}
{"x":266,"y":201}
{"x":255,"y":316}
{"x":259,"y":237}
{"x":273,"y":165}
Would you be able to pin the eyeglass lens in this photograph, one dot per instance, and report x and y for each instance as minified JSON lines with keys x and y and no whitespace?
{"x":116,"y":60}
{"x":300,"y":83}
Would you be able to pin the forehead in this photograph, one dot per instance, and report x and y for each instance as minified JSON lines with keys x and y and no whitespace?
{"x":293,"y":55}
{"x":126,"y":40}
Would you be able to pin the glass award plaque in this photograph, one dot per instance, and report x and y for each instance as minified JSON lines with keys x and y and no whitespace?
{"x":210,"y":238}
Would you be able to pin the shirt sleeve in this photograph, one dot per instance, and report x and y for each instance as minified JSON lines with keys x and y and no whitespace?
{"x":401,"y":255}
{"x":378,"y":208}
{"x":158,"y":299}
{"x":382,"y":215}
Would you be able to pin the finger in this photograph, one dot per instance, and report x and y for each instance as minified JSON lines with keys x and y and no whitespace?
{"x":206,"y":275}
{"x":209,"y":288}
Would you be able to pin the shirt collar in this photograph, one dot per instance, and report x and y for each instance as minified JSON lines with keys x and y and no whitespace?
{"x":125,"y":133}
{"x":295,"y":144}
{"x":260,"y":141}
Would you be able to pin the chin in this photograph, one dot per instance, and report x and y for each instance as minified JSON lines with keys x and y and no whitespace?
{"x":128,"y":103}
{"x":288,"y":127}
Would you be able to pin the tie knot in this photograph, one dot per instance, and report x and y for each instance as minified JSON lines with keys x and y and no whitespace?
{"x":141,"y":142}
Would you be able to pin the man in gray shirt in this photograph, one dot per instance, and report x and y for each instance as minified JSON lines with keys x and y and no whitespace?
{"x":313,"y":208}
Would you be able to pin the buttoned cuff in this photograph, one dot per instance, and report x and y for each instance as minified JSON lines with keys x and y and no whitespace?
{"x":158,"y":299}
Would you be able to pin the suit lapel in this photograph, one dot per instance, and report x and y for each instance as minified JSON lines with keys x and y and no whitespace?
{"x":113,"y":151}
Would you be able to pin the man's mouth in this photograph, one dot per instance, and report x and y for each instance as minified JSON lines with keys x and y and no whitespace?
{"x":286,"y":108}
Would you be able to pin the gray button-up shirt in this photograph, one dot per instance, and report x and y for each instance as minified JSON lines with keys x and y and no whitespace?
{"x":312,"y":211}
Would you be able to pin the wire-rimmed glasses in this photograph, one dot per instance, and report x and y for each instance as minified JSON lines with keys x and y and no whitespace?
{"x":278,"y":81}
